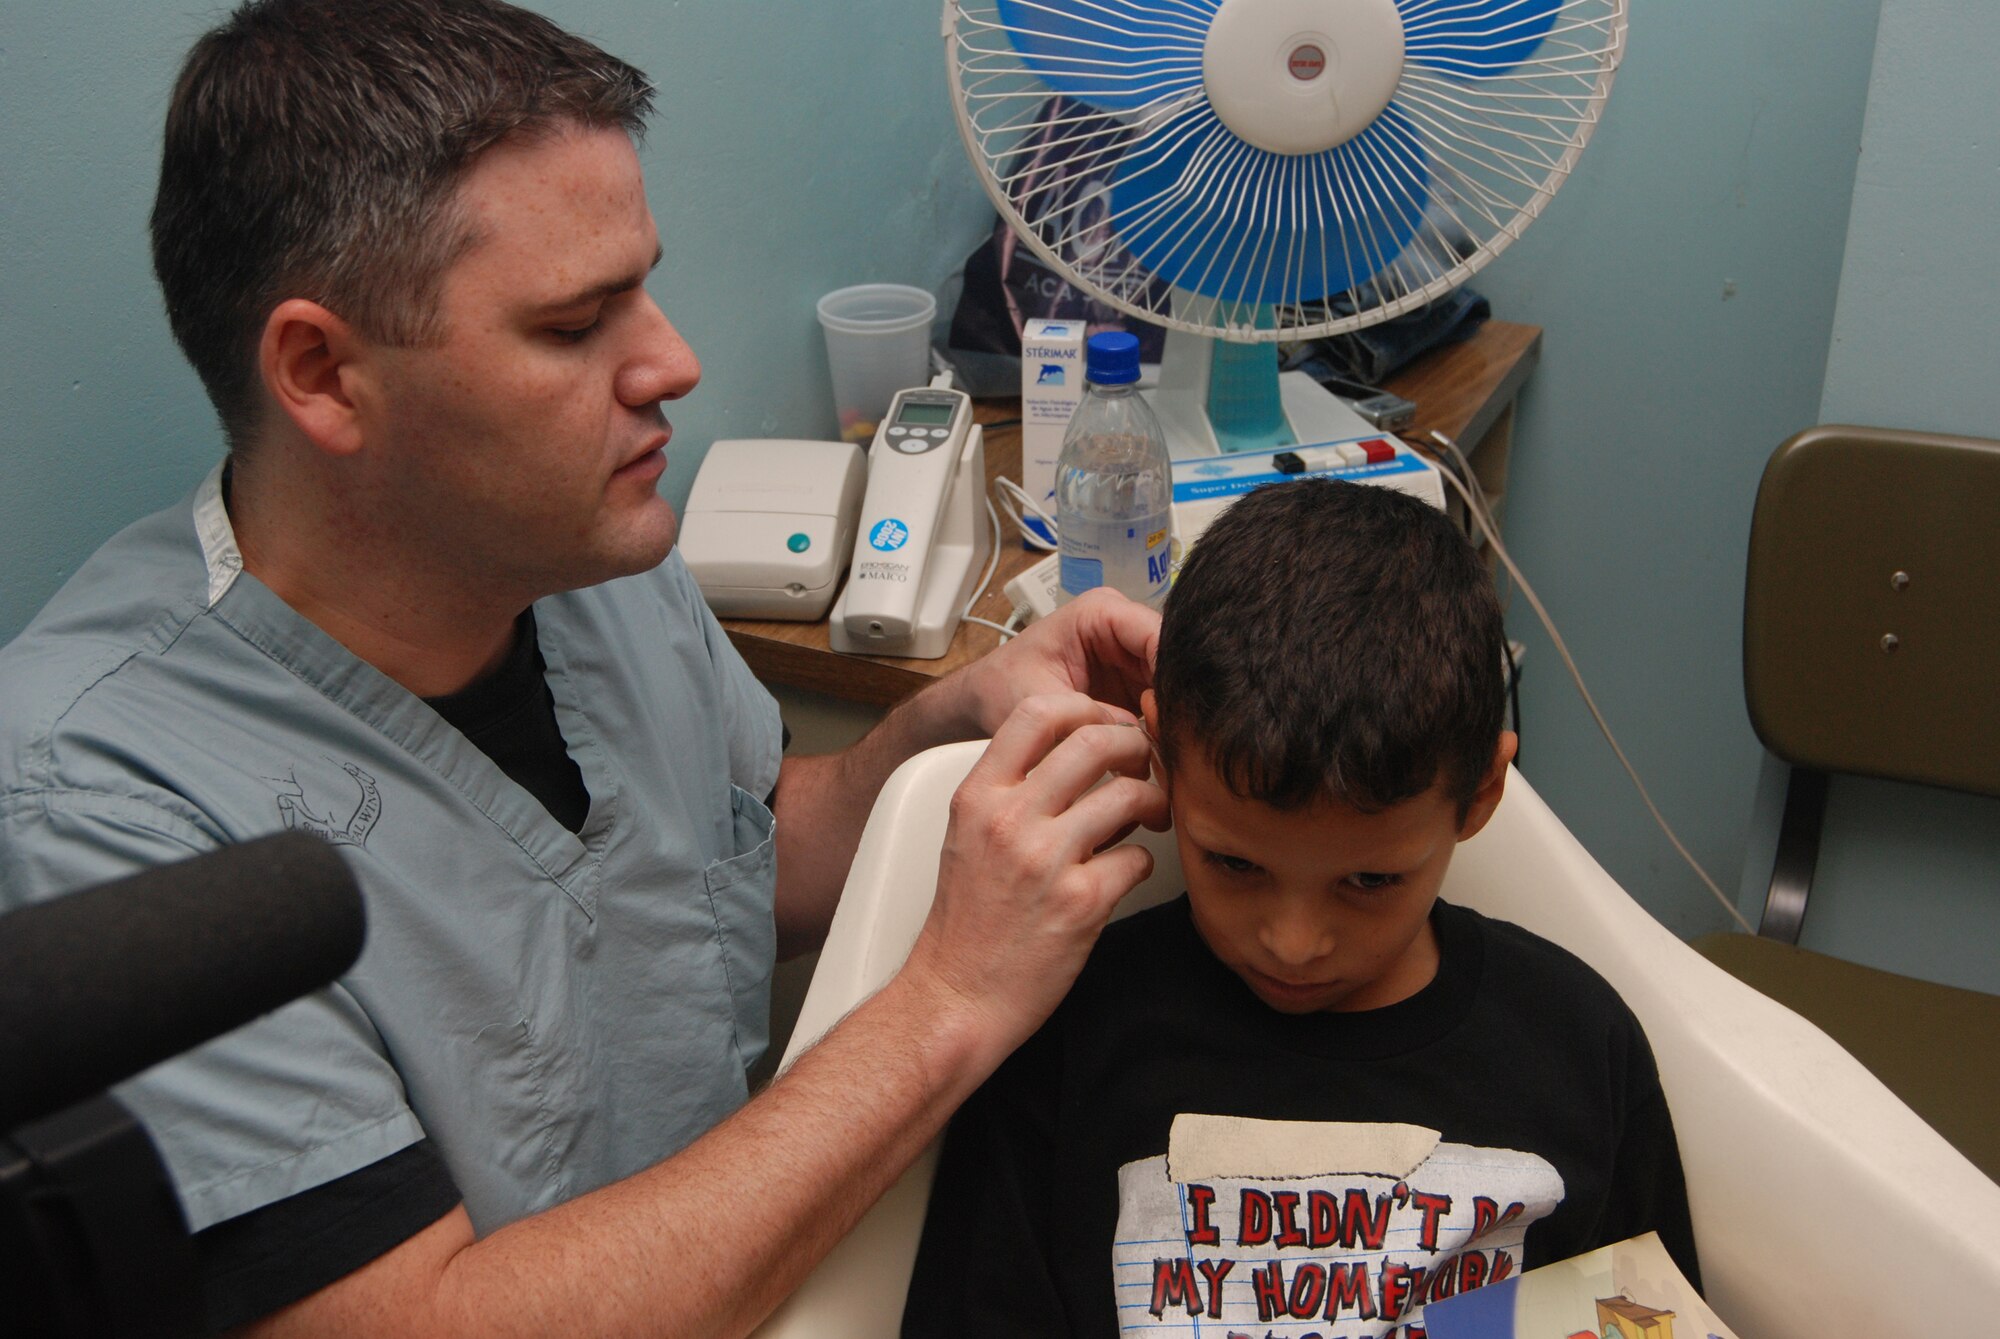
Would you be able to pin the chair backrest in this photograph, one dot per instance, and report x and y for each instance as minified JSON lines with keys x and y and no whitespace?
{"x":1871,"y":624}
{"x":1821,"y":1203}
{"x":1871,"y":606}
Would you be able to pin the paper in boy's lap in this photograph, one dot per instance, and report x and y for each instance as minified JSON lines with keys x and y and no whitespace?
{"x":1295,"y":1229}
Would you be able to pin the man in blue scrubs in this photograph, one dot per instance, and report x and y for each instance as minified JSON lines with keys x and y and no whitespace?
{"x":429,"y":609}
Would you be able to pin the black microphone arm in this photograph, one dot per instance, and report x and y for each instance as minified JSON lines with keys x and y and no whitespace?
{"x":100,"y":984}
{"x":96,"y":986}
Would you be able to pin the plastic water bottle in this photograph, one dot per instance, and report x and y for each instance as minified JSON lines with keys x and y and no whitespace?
{"x":1114,"y":488}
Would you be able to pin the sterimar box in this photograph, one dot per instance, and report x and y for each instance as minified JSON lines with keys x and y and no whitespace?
{"x":1051,"y":387}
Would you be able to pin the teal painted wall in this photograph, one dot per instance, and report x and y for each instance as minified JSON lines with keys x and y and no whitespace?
{"x":1687,"y":279}
{"x":1909,"y":877}
{"x":797,"y":148}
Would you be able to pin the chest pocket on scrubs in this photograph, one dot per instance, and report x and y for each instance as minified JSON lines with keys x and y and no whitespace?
{"x":740,"y":893}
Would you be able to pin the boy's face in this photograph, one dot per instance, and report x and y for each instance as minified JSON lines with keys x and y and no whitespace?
{"x":1326,"y":907}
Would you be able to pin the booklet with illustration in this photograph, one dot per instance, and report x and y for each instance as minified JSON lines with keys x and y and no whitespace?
{"x":1630,"y":1290}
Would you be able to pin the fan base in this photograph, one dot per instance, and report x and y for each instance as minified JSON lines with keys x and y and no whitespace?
{"x":1312,"y":412}
{"x":1188,"y":367}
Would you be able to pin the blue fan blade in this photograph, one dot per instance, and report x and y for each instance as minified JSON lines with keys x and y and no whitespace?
{"x":1206,"y":212}
{"x":1116,"y":55}
{"x":1475,"y":38}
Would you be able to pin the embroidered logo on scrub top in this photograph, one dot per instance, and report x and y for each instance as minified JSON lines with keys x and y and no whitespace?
{"x":298,"y":815}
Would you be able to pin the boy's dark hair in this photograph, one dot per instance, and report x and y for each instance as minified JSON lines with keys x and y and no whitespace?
{"x":313,"y":148}
{"x":1333,"y":640}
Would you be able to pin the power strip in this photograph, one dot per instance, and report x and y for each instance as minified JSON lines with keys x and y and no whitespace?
{"x":1035,"y":591}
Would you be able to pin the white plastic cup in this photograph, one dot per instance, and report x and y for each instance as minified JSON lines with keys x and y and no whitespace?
{"x":878,"y":339}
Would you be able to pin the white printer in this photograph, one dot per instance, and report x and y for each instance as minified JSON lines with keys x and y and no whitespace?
{"x":769,"y":525}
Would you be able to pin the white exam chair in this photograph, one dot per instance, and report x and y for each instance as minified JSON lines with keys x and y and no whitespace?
{"x":1822,"y":1205}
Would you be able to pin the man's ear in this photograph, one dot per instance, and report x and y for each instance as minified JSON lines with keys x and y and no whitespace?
{"x":1487,"y":798}
{"x":309,"y":359}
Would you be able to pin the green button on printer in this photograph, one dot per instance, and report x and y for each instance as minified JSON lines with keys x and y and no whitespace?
{"x":799,"y":543}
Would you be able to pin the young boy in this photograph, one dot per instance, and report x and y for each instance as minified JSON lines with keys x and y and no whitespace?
{"x":1328,"y":707}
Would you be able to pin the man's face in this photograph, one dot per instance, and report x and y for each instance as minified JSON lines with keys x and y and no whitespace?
{"x":529,"y":443}
{"x":1321,"y":908}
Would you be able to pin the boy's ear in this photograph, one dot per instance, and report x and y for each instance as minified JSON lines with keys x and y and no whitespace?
{"x":1149,"y":712}
{"x":1487,"y":798}
{"x":309,"y":359}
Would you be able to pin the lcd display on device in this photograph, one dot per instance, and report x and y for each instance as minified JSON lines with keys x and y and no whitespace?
{"x":918,"y":414}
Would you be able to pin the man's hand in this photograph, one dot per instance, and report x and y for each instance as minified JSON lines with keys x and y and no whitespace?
{"x":1100,"y":644}
{"x":1024,"y":885}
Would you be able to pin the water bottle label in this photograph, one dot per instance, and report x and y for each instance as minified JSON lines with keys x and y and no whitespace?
{"x":1081,"y":574}
{"x":1135,"y":559}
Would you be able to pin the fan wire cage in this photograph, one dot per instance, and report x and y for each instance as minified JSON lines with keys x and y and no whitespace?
{"x":1224,"y":168}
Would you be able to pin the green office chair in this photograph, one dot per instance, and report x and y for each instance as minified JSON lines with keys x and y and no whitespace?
{"x":1871,"y":645}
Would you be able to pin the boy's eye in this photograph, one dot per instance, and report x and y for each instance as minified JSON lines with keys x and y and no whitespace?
{"x":574,"y":334}
{"x":1233,"y":864}
{"x":1371,"y":882}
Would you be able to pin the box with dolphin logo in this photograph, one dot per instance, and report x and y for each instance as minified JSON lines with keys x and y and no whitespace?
{"x":1051,"y":387}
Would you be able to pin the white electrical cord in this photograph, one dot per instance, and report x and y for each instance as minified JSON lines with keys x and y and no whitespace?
{"x":1014,"y":500}
{"x":1480,"y":504}
{"x":944,"y":381}
{"x":1007,"y":629}
{"x":1481,"y":515}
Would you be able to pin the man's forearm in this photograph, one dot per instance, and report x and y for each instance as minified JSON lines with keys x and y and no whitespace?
{"x":708,"y":1242}
{"x":822,"y":804}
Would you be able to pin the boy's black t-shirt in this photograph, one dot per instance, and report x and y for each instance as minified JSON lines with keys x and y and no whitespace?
{"x":1515,"y":1045}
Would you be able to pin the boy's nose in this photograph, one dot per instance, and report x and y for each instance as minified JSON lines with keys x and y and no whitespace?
{"x":1296,"y":941}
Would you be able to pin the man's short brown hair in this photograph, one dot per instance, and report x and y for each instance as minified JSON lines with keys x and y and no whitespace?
{"x":313,"y":150}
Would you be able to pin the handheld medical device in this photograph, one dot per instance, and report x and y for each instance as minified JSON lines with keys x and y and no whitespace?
{"x":922,"y":538}
{"x":769,"y":525}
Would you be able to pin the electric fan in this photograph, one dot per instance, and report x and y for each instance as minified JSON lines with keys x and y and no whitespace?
{"x":1248,"y":171}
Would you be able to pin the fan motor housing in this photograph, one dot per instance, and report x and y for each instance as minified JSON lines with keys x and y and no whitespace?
{"x":1302,"y":76}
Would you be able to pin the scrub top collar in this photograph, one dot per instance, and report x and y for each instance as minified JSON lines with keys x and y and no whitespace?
{"x":260,"y":617}
{"x":218,"y":537}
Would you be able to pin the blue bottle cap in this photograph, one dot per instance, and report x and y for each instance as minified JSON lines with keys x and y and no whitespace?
{"x":1112,"y":358}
